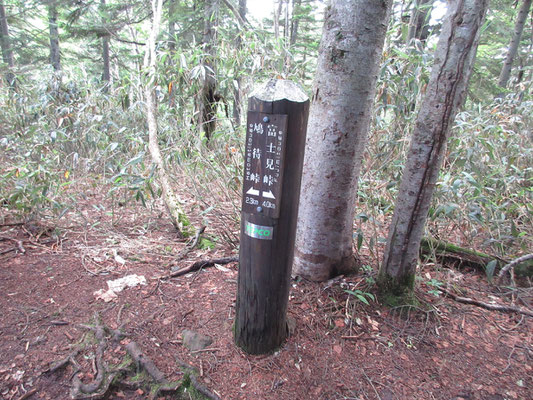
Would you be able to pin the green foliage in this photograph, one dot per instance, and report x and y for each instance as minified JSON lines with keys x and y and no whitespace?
{"x":488,"y":177}
{"x":435,"y":285}
{"x":57,"y":130}
{"x":361,"y":296}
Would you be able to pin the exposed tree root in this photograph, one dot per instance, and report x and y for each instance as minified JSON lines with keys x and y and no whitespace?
{"x":136,"y":365}
{"x":197,"y":385}
{"x":487,"y":306}
{"x":190,"y":247}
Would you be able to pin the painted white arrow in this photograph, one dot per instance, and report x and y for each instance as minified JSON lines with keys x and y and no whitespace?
{"x":268,"y":195}
{"x":253,"y":192}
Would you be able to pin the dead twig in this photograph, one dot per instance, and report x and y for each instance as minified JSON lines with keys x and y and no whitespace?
{"x":27,"y":395}
{"x":487,"y":306}
{"x":13,"y":224}
{"x":59,"y":323}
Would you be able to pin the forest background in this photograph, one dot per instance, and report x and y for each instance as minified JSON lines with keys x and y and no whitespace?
{"x":75,"y":109}
{"x":105,"y":125}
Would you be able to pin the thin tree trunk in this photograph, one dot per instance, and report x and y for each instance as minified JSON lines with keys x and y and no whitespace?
{"x":295,"y":21}
{"x":237,"y":106}
{"x":207,"y":102}
{"x":106,"y":73}
{"x":286,"y":22}
{"x":7,"y":53}
{"x":55,"y":58}
{"x":293,"y":33}
{"x":454,"y":59}
{"x":419,"y":20}
{"x":177,"y":216}
{"x":343,"y":94}
{"x":172,"y":26}
{"x":171,"y":48}
{"x":277,"y":14}
{"x":515,"y":42}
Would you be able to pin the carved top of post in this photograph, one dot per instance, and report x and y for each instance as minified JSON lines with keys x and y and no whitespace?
{"x":280,"y":89}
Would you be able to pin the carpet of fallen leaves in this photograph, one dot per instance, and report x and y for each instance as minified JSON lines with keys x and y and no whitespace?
{"x":340,"y":347}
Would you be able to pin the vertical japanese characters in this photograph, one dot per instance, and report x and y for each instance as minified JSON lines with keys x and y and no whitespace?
{"x":265,"y":142}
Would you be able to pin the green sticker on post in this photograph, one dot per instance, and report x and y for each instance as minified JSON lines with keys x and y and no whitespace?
{"x":258,"y":231}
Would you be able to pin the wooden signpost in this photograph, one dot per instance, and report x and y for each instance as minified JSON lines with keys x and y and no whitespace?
{"x":275,"y":142}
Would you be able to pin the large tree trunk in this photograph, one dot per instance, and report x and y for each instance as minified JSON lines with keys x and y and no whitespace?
{"x":207,"y":102}
{"x":177,"y":216}
{"x":515,"y":41}
{"x":7,"y":53}
{"x":106,"y":73}
{"x":343,"y":94}
{"x":237,"y":101}
{"x":55,"y":58}
{"x":419,"y":20}
{"x":454,"y":59}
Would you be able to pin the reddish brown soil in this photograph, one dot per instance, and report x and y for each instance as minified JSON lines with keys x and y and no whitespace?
{"x":340,"y":349}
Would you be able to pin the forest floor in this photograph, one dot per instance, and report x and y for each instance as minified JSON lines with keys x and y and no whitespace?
{"x":340,"y":347}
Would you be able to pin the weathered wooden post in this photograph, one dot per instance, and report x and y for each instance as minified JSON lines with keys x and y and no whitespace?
{"x":275,"y":142}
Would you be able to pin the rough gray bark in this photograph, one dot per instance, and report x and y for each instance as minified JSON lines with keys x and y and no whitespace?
{"x":106,"y":73}
{"x":343,"y":94}
{"x":55,"y":58}
{"x":207,"y":102}
{"x":7,"y":53}
{"x":515,"y":41}
{"x":454,"y":58}
{"x":419,"y":20}
{"x":237,"y":101}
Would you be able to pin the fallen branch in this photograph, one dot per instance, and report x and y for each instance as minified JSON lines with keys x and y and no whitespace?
{"x":199,"y":265}
{"x":13,"y":224}
{"x":514,"y":263}
{"x":487,"y":306}
{"x":27,"y":395}
{"x":450,"y":252}
{"x":20,"y":246}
